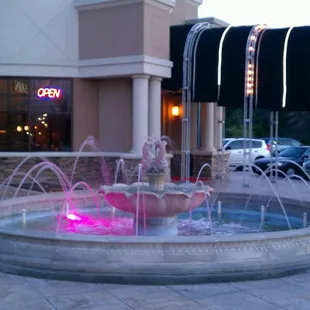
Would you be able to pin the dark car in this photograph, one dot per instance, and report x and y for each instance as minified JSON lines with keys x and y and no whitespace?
{"x":289,"y":160}
{"x":280,"y":143}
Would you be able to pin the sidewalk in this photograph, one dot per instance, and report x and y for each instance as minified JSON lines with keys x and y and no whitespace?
{"x":18,"y":293}
{"x":291,"y":293}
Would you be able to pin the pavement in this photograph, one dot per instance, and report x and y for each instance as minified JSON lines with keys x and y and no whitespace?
{"x":19,"y":293}
{"x":291,"y":293}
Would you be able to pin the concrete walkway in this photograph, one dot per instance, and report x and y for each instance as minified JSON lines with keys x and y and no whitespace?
{"x":18,"y":293}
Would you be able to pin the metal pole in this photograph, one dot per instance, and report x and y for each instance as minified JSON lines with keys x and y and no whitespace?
{"x":277,"y":139}
{"x":250,"y":71}
{"x":198,"y":125}
{"x":271,"y":120}
{"x":189,"y":64}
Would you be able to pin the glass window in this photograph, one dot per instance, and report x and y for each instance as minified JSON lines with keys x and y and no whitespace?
{"x":235,"y":145}
{"x":50,"y":132}
{"x":307,"y":153}
{"x":18,"y":87}
{"x":294,"y":152}
{"x":296,"y":143}
{"x":3,"y":103}
{"x":35,"y":114}
{"x":256,"y":144}
{"x":3,"y":86}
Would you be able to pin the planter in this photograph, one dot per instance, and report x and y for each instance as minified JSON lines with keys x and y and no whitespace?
{"x":156,"y":181}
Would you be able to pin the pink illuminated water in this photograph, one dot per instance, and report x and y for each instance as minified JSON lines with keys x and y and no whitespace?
{"x":78,"y":223}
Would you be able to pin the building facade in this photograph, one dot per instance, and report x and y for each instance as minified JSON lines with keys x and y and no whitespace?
{"x":84,"y":67}
{"x":70,"y":69}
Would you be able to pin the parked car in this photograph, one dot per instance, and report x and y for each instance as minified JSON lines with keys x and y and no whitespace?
{"x":306,"y":167}
{"x":280,"y":144}
{"x":235,"y":147}
{"x":289,"y":160}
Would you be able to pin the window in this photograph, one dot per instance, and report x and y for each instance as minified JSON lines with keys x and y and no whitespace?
{"x":307,"y":153}
{"x":35,"y":114}
{"x":296,"y":143}
{"x":286,"y":141}
{"x":294,"y":152}
{"x":256,"y":144}
{"x":235,"y":145}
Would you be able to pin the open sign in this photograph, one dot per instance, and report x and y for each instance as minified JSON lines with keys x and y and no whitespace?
{"x":49,"y":92}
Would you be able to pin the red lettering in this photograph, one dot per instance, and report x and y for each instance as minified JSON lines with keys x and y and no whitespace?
{"x":49,"y":93}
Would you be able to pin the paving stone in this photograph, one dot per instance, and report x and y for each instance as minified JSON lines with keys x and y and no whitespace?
{"x":154,"y":298}
{"x":96,"y":299}
{"x":278,"y":292}
{"x":19,"y":304}
{"x":51,"y":287}
{"x":222,"y":297}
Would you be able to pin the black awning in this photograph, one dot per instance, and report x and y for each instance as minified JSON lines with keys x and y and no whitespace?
{"x":178,"y":35}
{"x":270,"y":69}
{"x":233,"y":66}
{"x":204,"y":88}
{"x":298,"y":70}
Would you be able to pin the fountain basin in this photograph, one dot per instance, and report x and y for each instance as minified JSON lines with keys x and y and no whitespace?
{"x":173,"y":200}
{"x":148,"y":260}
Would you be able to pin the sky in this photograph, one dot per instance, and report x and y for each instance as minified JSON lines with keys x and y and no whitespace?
{"x":275,"y":13}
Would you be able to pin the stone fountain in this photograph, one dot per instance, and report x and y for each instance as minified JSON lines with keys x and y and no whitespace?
{"x":152,"y":231}
{"x":155,"y":203}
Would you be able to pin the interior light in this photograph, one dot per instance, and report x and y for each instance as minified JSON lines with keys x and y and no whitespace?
{"x":175,"y":111}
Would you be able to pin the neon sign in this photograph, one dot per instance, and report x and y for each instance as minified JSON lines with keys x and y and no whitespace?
{"x":48,"y":92}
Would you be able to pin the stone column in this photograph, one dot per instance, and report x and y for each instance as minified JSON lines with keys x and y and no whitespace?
{"x":216,"y":126}
{"x":208,"y":137}
{"x":194,"y":126}
{"x":154,"y":116}
{"x":220,"y":125}
{"x":140,"y":97}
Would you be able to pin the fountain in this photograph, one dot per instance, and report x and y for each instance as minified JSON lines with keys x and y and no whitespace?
{"x":155,"y":203}
{"x":153,"y":231}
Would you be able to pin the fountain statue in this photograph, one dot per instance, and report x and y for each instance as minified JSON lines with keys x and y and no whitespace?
{"x":156,"y":201}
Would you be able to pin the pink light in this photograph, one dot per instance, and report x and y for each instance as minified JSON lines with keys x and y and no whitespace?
{"x":73,"y":217}
{"x":49,"y":92}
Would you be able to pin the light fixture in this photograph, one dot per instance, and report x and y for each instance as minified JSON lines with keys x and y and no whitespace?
{"x":175,"y":111}
{"x":26,"y":128}
{"x":19,"y":128}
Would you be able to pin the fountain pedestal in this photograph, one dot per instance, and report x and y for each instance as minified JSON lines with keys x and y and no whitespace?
{"x":157,"y":226}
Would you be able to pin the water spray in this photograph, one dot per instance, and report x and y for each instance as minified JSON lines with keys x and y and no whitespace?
{"x":67,"y":208}
{"x":305,"y":220}
{"x":219,"y":209}
{"x":262,"y":214}
{"x":24,"y":217}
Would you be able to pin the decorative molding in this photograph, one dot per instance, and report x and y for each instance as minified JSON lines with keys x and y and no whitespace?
{"x":39,"y":70}
{"x":83,"y":5}
{"x":141,"y":76}
{"x":122,"y":66}
{"x":104,"y":68}
{"x":195,"y":2}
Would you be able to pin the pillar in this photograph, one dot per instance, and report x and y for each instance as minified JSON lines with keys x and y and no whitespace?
{"x":140,"y":97}
{"x":194,"y":126}
{"x":208,"y":136}
{"x":154,"y":116}
{"x":218,"y":127}
{"x":215,"y":128}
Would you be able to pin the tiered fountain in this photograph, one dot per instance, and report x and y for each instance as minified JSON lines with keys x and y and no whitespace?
{"x":155,"y":203}
{"x":150,"y":231}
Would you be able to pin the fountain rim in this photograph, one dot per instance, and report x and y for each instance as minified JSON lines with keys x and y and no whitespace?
{"x":300,"y":232}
